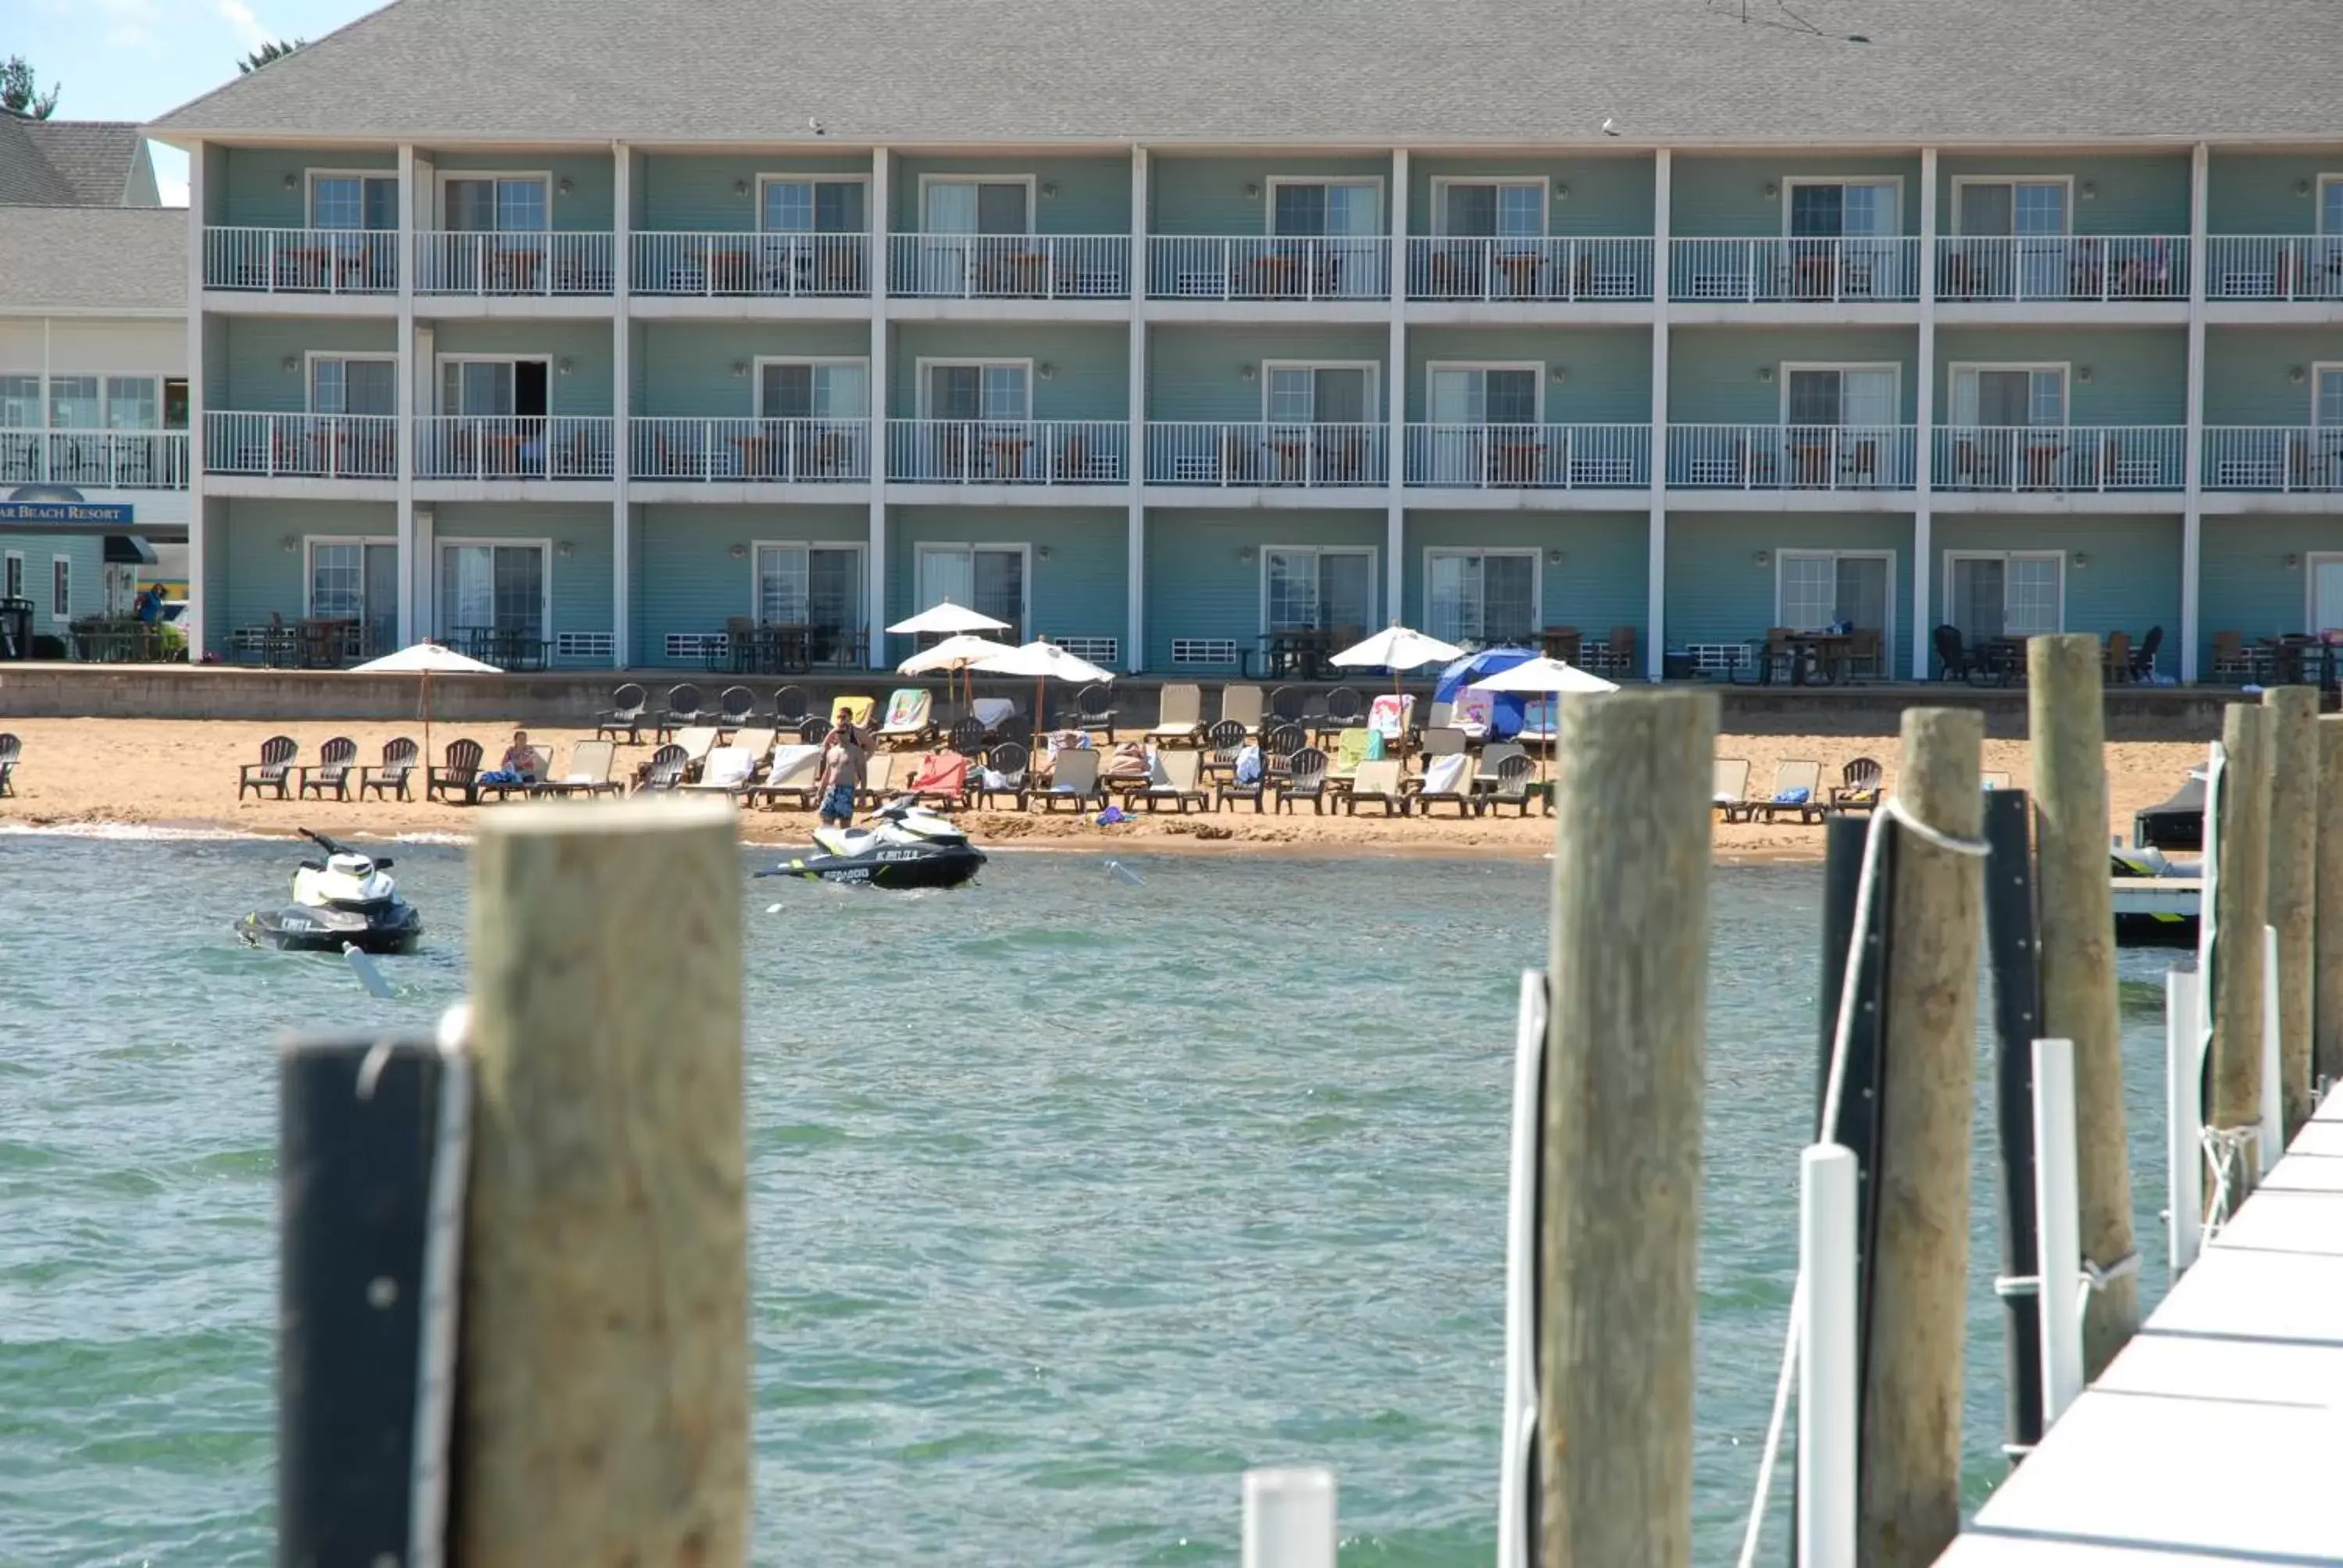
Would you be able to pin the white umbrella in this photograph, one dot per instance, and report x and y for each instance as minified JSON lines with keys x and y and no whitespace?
{"x":944,"y":619}
{"x":425,"y":659}
{"x":1043,"y":660}
{"x":1397,"y":648}
{"x":1546,"y":675}
{"x":953,"y":654}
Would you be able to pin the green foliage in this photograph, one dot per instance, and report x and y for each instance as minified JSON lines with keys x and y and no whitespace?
{"x":266,"y":53}
{"x":20,"y":90}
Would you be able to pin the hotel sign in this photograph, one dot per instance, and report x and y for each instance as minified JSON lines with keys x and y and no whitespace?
{"x":74,"y":513}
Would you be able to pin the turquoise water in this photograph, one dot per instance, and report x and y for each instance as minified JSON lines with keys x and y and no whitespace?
{"x":1070,"y":1198}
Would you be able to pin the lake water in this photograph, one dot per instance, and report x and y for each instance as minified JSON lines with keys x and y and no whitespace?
{"x":1070,"y":1198}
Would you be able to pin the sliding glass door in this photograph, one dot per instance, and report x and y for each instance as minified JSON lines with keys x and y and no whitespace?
{"x":357,"y":580}
{"x":493,"y":596}
{"x":1481,"y":596}
{"x":2014,"y":593}
{"x":1305,"y":588}
{"x":987,"y":578}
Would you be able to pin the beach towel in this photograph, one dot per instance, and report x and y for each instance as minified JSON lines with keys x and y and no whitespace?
{"x":1352,"y":747}
{"x":1389,"y":715}
{"x":1248,"y":764}
{"x":1792,"y":797}
{"x":1473,"y":712}
{"x":1445,"y":775}
{"x":940,"y":773}
{"x":791,"y":762}
{"x":993,"y":711}
{"x":728,"y":766}
{"x":907,"y":710}
{"x":1537,"y":719}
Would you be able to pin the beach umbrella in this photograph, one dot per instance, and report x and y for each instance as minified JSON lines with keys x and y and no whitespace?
{"x":1043,"y":660}
{"x":424,"y":660}
{"x":1548,"y":676}
{"x":1397,"y":648}
{"x":954,"y":655}
{"x":945,"y":618}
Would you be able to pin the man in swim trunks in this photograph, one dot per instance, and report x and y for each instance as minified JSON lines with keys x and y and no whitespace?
{"x":842,"y":751}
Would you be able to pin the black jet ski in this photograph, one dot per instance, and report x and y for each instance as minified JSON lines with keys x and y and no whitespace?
{"x":907,"y":846}
{"x":344,"y":900}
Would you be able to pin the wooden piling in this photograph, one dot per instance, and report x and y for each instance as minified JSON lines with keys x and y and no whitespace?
{"x":2240,"y":909}
{"x":1911,"y":1482}
{"x":2293,"y":892}
{"x":603,"y":1409}
{"x":2068,"y":725}
{"x":1620,"y":1178}
{"x":2327,"y":1049}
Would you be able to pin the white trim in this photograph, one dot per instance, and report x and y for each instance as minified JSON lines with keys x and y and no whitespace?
{"x":2311,"y":561}
{"x":920,"y":367}
{"x":1789,"y":368}
{"x":1033,"y":184}
{"x":924,"y":548}
{"x":17,"y":558}
{"x":439,"y":194}
{"x":2012,"y":181}
{"x":2066,"y":369}
{"x":439,"y":381}
{"x":1372,"y":367}
{"x":310,"y":357}
{"x":310,"y":543}
{"x":785,"y":176}
{"x":441,"y":545}
{"x":54,"y":613}
{"x":862,"y":567}
{"x":1269,"y":189}
{"x":2320,"y":367}
{"x":1886,"y":633}
{"x":860,"y":361}
{"x":309,"y":196}
{"x":1537,"y":580}
{"x":46,"y":380}
{"x":1264,"y":552}
{"x":2319,"y":199}
{"x":1893,"y":182}
{"x":1441,"y":184}
{"x":1953,"y":556}
{"x":1536,"y":367}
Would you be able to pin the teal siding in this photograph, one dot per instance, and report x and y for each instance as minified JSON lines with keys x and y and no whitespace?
{"x":1713,"y":372}
{"x":686,"y":578}
{"x":2144,"y":194}
{"x":251,"y":574}
{"x":1599,"y":583}
{"x":1093,"y":194}
{"x":1198,"y":583}
{"x":1089,"y":379}
{"x":1724,"y":196}
{"x":252,"y":194}
{"x":2254,"y":193}
{"x":685,"y":367}
{"x":1718,"y":592}
{"x":1607,"y":371}
{"x":1206,"y":196}
{"x":2248,"y":373}
{"x":592,"y":204}
{"x":1198,"y":372}
{"x":251,"y":351}
{"x":2138,"y":376}
{"x":84,"y":578}
{"x":2247,"y":586}
{"x":586,"y":345}
{"x":1584,"y":195}
{"x":1080,"y":591}
{"x":215,"y":542}
{"x":581,"y":584}
{"x":696,"y":193}
{"x":2132,"y":580}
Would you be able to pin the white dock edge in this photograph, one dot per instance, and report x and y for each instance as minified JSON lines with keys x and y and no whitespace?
{"x":2213,"y":1437}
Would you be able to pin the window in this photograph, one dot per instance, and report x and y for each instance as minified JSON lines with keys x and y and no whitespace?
{"x":497,"y":588}
{"x":131,"y":404}
{"x":1481,"y":595}
{"x":816,"y":586}
{"x":2009,"y":396}
{"x":989,"y":577}
{"x":1490,"y":209}
{"x":1989,"y":208}
{"x":12,"y":575}
{"x":1318,"y":394}
{"x":61,"y":587}
{"x":795,"y":204}
{"x":20,"y":402}
{"x":2327,"y":400}
{"x":1817,"y":588}
{"x":1306,"y":589}
{"x":813,"y":389}
{"x":496,"y":204}
{"x":347,"y":385}
{"x":976,"y":390}
{"x":1481,"y":394}
{"x":2326,"y":576}
{"x":2013,"y":593}
{"x":74,"y":402}
{"x":353,"y":201}
{"x":2330,"y":204}
{"x":956,"y":206}
{"x":1325,"y":208}
{"x":1842,"y":209}
{"x":1830,"y":395}
{"x":493,"y":386}
{"x":357,"y":580}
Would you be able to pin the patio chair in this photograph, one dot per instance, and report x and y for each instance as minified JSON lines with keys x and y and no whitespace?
{"x":1345,"y":709}
{"x":588,"y":772}
{"x":1278,"y":748}
{"x":1003,"y":772}
{"x":1222,"y":743}
{"x":682,"y":711}
{"x":940,"y":779}
{"x":1242,"y":704}
{"x":1289,"y":704}
{"x":997,"y":719}
{"x":812,"y":728}
{"x":790,"y":706}
{"x":1952,"y":661}
{"x":1514,"y":778}
{"x":274,"y":768}
{"x":1305,"y":779}
{"x":967,"y":735}
{"x":1094,"y":710}
{"x":2143,"y":658}
{"x":1866,"y":653}
{"x":1619,"y":654}
{"x":1180,"y":716}
{"x":398,"y":759}
{"x":697,"y":742}
{"x":1173,"y":778}
{"x":664,"y":772}
{"x":624,"y":716}
{"x":1447,"y":778}
{"x":1858,"y":786}
{"x":2115,"y":659}
{"x":910,"y":715}
{"x":795,"y":771}
{"x":1729,"y":790}
{"x":336,"y":758}
{"x":1376,"y":780}
{"x":1443,"y":740}
{"x":878,"y":784}
{"x":2232,"y":658}
{"x":733,"y":706}
{"x":1797,"y":787}
{"x":459,"y":773}
{"x":1073,"y":778}
{"x":11,"y":750}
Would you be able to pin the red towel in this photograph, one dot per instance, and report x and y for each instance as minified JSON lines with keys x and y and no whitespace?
{"x":940,"y":773}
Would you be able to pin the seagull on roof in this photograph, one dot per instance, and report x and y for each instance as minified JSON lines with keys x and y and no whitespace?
{"x":1610,"y":127}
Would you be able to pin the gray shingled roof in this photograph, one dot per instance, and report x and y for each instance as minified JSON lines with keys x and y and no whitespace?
{"x":94,"y":258}
{"x":68,"y":163}
{"x":1366,"y":72}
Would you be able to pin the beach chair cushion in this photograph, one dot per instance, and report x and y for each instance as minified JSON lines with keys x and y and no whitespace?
{"x":1389,"y":715}
{"x":728,"y":766}
{"x":793,"y":764}
{"x":1352,"y":747}
{"x":697,"y":741}
{"x":993,"y":711}
{"x":907,"y":711}
{"x":1446,"y":775}
{"x":1473,"y":712}
{"x":853,"y":710}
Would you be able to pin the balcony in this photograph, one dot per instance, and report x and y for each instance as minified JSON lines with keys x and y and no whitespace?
{"x":2274,"y":459}
{"x":301,"y":260}
{"x":1530,"y":456}
{"x":513,"y":447}
{"x":2067,"y":458}
{"x":1270,"y":268}
{"x":1790,"y":456}
{"x":1242,"y":455}
{"x":752,"y":265}
{"x":1008,"y":451}
{"x":1795,"y":271}
{"x":1553,"y":270}
{"x":2274,"y":266}
{"x":1009,"y":267}
{"x":750,"y":451}
{"x":302,"y":445}
{"x":2061,"y":268}
{"x":543,"y":264}
{"x":96,"y":460}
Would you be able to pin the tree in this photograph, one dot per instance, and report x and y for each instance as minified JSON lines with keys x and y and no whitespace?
{"x":266,"y":53}
{"x":20,"y":90}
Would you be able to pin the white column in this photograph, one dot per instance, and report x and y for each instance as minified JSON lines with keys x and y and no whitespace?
{"x":1923,"y":454}
{"x":1134,"y":652}
{"x":199,"y":587}
{"x":404,"y":405}
{"x":1655,"y":568}
{"x":426,"y":580}
{"x":622,"y":405}
{"x":1395,"y":428}
{"x":883,"y":227}
{"x":418,"y":390}
{"x":2192,"y":503}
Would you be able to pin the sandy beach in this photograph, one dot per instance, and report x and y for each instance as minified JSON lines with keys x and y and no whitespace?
{"x":86,"y":772}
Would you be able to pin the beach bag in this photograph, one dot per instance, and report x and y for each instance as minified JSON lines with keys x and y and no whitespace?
{"x":1249,"y":765}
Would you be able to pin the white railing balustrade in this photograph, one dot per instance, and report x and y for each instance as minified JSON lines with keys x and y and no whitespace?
{"x":96,"y":460}
{"x":766,"y":266}
{"x":1530,"y":456}
{"x":301,"y":260}
{"x":1759,"y":271}
{"x":2274,"y":266}
{"x":1008,"y":266}
{"x":302,"y":445}
{"x":1278,"y":266}
{"x":543,"y":261}
{"x":2061,"y":268}
{"x":1790,"y":456}
{"x":2285,"y":458}
{"x":1553,"y":268}
{"x":513,"y":447}
{"x":1242,"y":455}
{"x":751,"y":451}
{"x":2072,"y":457}
{"x":1008,"y":451}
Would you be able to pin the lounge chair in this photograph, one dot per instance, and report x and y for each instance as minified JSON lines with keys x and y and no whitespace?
{"x":588,"y":773}
{"x":1255,"y":790}
{"x":697,"y":742}
{"x":1350,"y":749}
{"x":1345,"y":710}
{"x":526,"y":784}
{"x":1173,"y":778}
{"x":336,"y":758}
{"x":1278,"y":748}
{"x":967,"y":736}
{"x":855,"y":711}
{"x":1473,"y":712}
{"x":1515,"y":781}
{"x":664,"y":772}
{"x":400,"y":758}
{"x":998,"y":715}
{"x":1305,"y":779}
{"x":1797,"y":787}
{"x":682,"y":711}
{"x":1181,"y":715}
{"x":1446,"y":778}
{"x":624,"y":716}
{"x":1390,"y":715}
{"x":1242,"y":704}
{"x":795,"y":771}
{"x":733,"y":706}
{"x":461,"y":772}
{"x":11,"y":750}
{"x":1222,"y":741}
{"x":1858,"y":786}
{"x":1377,"y":780}
{"x":727,"y":770}
{"x":790,"y":706}
{"x":1289,"y":704}
{"x":1008,"y":763}
{"x":1094,"y":710}
{"x":940,"y":779}
{"x":1443,"y":740}
{"x":1073,"y":778}
{"x":878,"y":784}
{"x":910,"y":714}
{"x":1729,"y":790}
{"x":274,"y":769}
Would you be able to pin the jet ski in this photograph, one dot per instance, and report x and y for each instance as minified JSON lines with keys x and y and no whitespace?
{"x":344,"y":900}
{"x":906,"y":845}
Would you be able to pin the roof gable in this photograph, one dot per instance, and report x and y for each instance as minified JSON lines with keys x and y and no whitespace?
{"x":73,"y":163}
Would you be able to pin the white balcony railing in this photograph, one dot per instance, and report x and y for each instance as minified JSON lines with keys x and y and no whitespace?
{"x":2274,"y":266}
{"x":1790,"y":456}
{"x":301,"y":260}
{"x":1595,"y":269}
{"x":1530,"y":456}
{"x":1008,"y":266}
{"x":513,"y":447}
{"x":1249,"y":454}
{"x":544,"y":262}
{"x":2059,"y":267}
{"x":755,"y":266}
{"x":2306,"y":459}
{"x":1795,"y":271}
{"x":97,"y":459}
{"x":302,"y":445}
{"x":751,"y":451}
{"x":1008,"y":451}
{"x":1281,"y":266}
{"x":2065,"y":458}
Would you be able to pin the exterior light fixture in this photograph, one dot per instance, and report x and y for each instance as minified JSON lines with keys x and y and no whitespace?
{"x":2297,"y":374}
{"x":740,"y":188}
{"x":1048,"y":190}
{"x":1772,"y":189}
{"x":565,"y":549}
{"x":1553,"y":558}
{"x":2293,"y":563}
{"x":564,"y":367}
{"x":740,"y":552}
{"x":1762,"y":558}
{"x":1249,"y":370}
{"x":289,"y":544}
{"x":2090,"y":189}
{"x":563,"y":185}
{"x":2082,"y":561}
{"x":2302,"y":187}
{"x":292,"y":181}
{"x":1041,"y":552}
{"x":740,"y":369}
{"x":1046,"y":370}
{"x":1764,"y":373}
{"x":1561,"y":191}
{"x":1557,"y":374}
{"x":291,"y":363}
{"x":1253,"y":191}
{"x":2084,"y":373}
{"x":1244,"y":553}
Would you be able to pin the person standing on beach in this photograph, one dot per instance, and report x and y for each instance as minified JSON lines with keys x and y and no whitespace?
{"x":842,"y":751}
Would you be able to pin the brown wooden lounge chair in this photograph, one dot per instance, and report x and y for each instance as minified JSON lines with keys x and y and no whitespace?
{"x":274,"y":769}
{"x":12,"y":749}
{"x":1305,"y":779}
{"x":334,"y":760}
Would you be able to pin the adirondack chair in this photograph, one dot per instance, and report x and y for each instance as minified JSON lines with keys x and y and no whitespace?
{"x":459,"y":775}
{"x":11,"y":748}
{"x":398,"y":759}
{"x":272,"y":771}
{"x":624,"y":716}
{"x":334,"y":760}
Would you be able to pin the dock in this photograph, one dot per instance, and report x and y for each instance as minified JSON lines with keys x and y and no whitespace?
{"x":2213,"y":1438}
